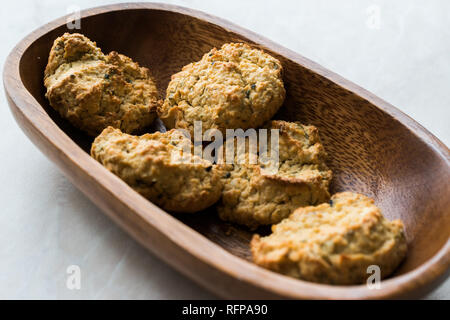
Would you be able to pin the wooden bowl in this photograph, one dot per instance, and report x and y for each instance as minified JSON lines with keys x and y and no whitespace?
{"x":373,"y":149}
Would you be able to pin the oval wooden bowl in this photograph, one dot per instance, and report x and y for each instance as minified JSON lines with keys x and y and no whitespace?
{"x":373,"y":148}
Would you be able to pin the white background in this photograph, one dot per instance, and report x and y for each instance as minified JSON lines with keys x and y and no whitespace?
{"x":46,"y":224}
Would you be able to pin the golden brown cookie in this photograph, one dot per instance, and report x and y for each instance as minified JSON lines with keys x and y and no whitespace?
{"x":233,"y":87}
{"x":333,"y":243}
{"x":93,"y":90}
{"x":253,"y":197}
{"x":153,"y":165}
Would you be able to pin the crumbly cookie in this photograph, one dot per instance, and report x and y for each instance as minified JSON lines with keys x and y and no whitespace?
{"x":233,"y":87}
{"x":93,"y":90}
{"x":152,"y":165}
{"x":333,"y":243}
{"x":254,"y":196}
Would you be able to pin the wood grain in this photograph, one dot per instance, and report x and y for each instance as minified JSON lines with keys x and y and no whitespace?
{"x":373,"y":149}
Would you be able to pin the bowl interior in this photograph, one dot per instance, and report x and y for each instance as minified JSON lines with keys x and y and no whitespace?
{"x":369,"y":151}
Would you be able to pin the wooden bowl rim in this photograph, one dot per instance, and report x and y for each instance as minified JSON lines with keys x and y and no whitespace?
{"x":434,"y":268}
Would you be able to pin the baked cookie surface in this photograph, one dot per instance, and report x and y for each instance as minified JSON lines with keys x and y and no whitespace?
{"x":156,"y":166}
{"x":333,"y":243}
{"x":94,"y":91}
{"x":233,"y":87}
{"x":254,"y":196}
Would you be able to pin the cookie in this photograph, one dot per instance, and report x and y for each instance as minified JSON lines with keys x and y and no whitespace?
{"x":94,"y":91}
{"x":161,"y":168}
{"x":333,"y":243}
{"x":233,"y":87}
{"x":254,"y":196}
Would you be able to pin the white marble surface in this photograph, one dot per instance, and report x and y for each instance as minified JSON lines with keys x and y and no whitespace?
{"x":46,"y":224}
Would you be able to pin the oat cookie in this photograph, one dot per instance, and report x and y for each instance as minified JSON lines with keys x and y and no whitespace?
{"x":93,"y":90}
{"x":233,"y":87}
{"x":151,"y":164}
{"x":333,"y":243}
{"x":253,"y":197}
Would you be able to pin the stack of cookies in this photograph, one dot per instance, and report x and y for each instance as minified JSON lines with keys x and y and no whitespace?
{"x":236,"y":87}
